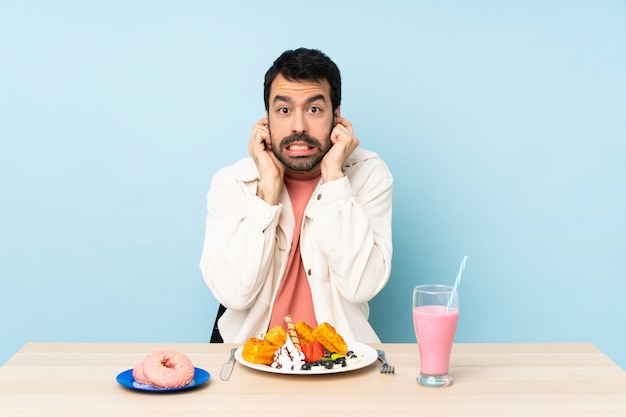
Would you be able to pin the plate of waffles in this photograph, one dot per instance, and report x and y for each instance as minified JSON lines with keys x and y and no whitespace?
{"x":359,"y":356}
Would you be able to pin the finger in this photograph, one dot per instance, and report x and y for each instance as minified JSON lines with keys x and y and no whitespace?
{"x":338,"y":131}
{"x":264,"y":134}
{"x":340,"y":121}
{"x":261,"y":129}
{"x":260,"y":138}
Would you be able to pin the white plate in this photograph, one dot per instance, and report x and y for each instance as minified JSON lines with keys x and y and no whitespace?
{"x":368,"y":353}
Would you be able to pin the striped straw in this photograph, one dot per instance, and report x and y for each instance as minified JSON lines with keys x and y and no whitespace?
{"x":457,"y":281}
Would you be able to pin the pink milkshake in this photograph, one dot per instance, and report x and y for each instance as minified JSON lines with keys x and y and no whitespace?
{"x":435,"y":329}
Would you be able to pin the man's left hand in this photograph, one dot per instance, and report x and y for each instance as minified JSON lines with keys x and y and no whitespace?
{"x":344,"y":143}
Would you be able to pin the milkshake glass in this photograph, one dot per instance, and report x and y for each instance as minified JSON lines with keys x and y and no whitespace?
{"x":435,"y":317}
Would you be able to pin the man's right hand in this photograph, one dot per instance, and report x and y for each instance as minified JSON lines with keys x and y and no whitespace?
{"x":271,"y":170}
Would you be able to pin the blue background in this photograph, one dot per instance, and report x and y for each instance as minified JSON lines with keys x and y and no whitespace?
{"x":502,"y":122}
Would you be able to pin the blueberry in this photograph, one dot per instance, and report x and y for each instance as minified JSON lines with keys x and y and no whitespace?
{"x":305,"y":367}
{"x":329,"y":364}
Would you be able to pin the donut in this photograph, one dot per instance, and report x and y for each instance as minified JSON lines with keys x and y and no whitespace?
{"x":138,"y":375}
{"x":167,"y":369}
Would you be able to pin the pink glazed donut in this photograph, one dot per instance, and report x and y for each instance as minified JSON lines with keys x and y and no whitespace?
{"x":167,"y":369}
{"x":138,"y":374}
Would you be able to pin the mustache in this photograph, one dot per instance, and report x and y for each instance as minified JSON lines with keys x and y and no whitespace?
{"x":300,"y":137}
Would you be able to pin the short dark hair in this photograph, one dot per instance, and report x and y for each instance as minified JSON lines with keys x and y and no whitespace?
{"x":305,"y":65}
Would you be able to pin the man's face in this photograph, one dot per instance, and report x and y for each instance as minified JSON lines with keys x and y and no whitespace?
{"x":300,"y":121}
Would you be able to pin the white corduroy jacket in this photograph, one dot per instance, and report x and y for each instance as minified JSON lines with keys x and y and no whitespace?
{"x":345,"y":242}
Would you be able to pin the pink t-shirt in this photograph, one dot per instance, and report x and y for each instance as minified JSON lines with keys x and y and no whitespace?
{"x":294,"y":294}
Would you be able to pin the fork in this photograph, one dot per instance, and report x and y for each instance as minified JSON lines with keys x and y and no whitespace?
{"x":386,"y":367}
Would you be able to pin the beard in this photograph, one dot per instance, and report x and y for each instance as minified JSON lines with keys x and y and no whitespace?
{"x":301,"y":163}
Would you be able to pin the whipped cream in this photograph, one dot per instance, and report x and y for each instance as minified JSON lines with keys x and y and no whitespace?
{"x":288,"y":357}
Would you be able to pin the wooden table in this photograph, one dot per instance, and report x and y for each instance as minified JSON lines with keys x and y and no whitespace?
{"x":78,"y":379}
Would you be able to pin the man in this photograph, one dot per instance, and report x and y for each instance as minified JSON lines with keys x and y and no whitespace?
{"x":303,"y":226}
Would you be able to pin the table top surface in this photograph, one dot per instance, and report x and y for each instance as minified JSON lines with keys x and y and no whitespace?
{"x":63,"y":379}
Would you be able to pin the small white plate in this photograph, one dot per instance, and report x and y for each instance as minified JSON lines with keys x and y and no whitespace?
{"x":368,"y":354}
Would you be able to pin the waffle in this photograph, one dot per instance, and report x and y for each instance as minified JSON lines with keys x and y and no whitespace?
{"x":330,"y":339}
{"x":305,"y":332}
{"x":261,"y":351}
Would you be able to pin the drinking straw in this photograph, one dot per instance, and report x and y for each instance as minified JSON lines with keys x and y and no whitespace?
{"x":457,"y":281}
